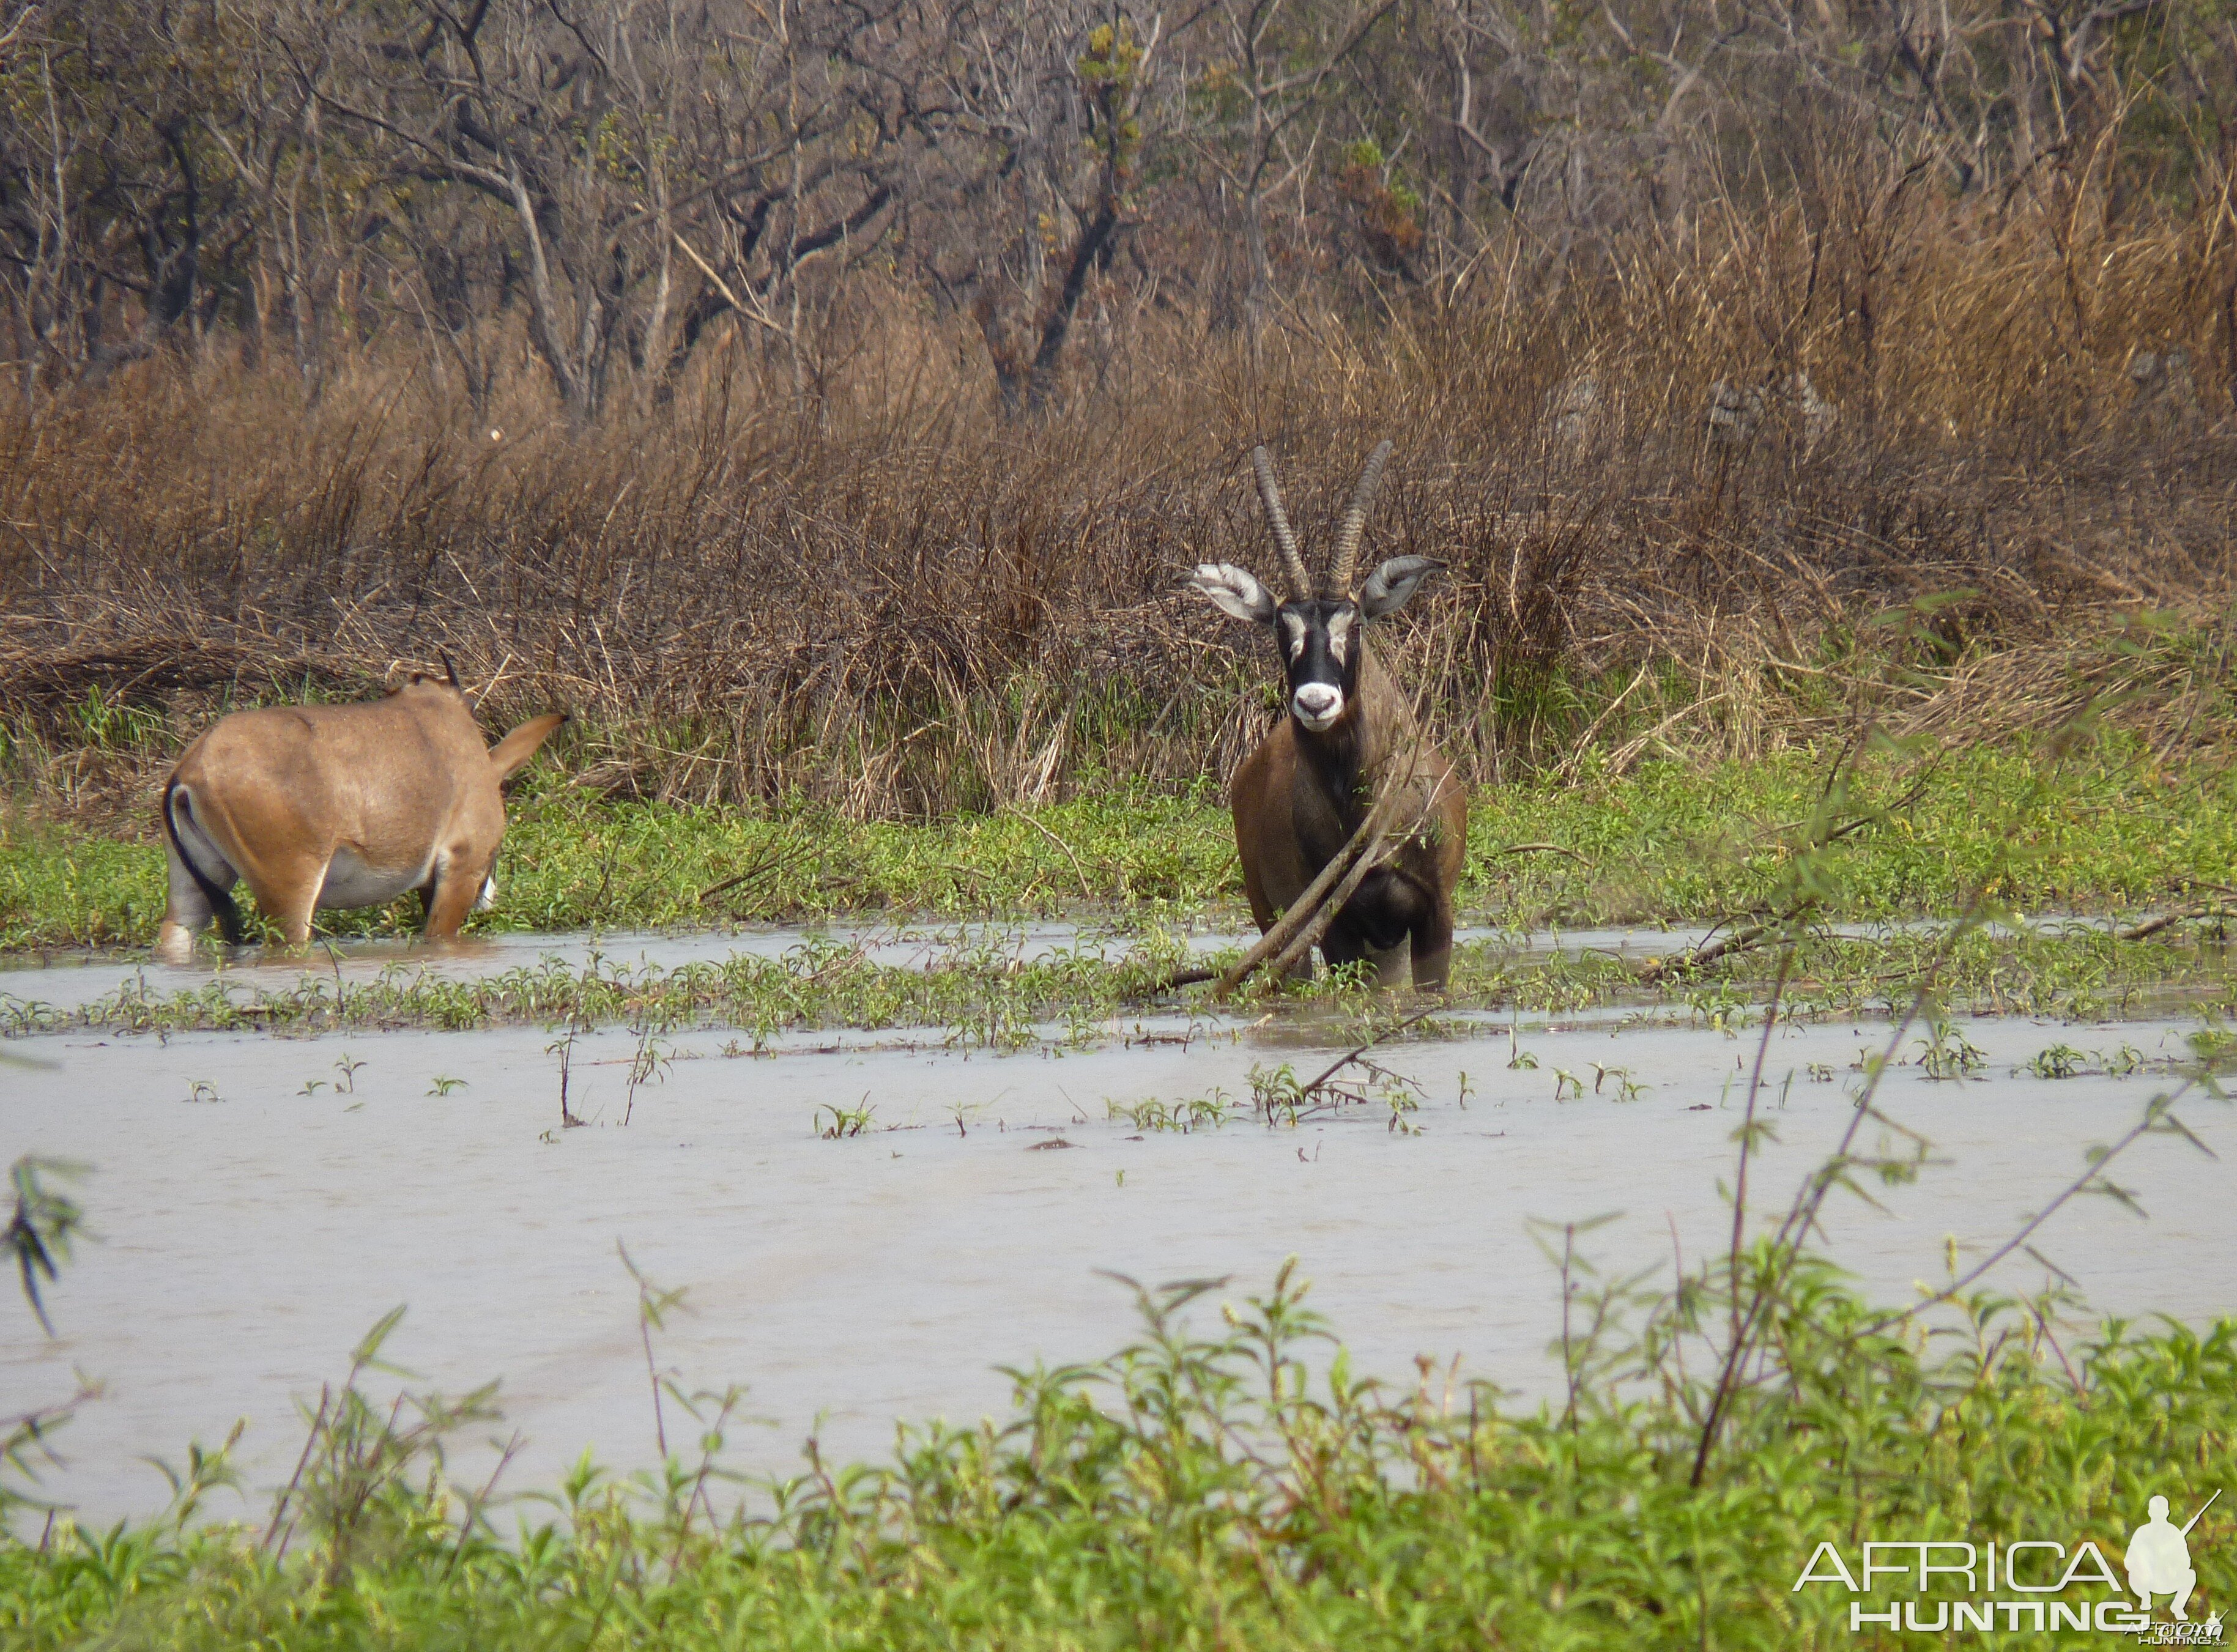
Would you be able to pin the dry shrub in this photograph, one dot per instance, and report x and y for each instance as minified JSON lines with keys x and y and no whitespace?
{"x":1672,"y":498}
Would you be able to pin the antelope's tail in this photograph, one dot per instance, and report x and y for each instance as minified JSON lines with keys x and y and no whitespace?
{"x":220,"y":900}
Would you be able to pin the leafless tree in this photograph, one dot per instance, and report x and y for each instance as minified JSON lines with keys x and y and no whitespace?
{"x":633,"y":177}
{"x":1262,"y":137}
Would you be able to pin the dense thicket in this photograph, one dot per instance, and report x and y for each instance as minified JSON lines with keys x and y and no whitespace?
{"x":824,"y":398}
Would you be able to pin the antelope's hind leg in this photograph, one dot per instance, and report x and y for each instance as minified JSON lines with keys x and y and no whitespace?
{"x":1340,"y":946}
{"x":1376,"y":926}
{"x":287,"y":893}
{"x":1344,"y":946}
{"x":1432,"y":947}
{"x":187,"y":912}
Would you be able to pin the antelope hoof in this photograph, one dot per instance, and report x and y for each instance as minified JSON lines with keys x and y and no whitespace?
{"x":174,"y":944}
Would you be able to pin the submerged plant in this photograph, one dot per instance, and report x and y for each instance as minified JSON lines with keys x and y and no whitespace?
{"x":1946,"y":1052}
{"x":843,"y":1122}
{"x":1192,"y":1113}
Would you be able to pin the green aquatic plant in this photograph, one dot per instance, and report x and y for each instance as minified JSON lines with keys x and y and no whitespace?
{"x":1206,"y":1112}
{"x":982,"y":999}
{"x":2058,"y":1061}
{"x":1946,"y":1052}
{"x":843,"y":1122}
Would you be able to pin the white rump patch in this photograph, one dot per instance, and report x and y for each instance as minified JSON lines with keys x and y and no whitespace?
{"x":487,"y":899}
{"x":196,"y":845}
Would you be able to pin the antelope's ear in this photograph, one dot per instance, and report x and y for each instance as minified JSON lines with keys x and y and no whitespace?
{"x":1391,"y":586}
{"x":516,"y":749}
{"x":1234,"y":591}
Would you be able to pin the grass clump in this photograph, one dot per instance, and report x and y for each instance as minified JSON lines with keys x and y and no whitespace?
{"x":2105,"y":829}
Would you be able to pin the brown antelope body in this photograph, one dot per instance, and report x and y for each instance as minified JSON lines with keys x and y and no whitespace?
{"x":339,"y":806}
{"x":1349,"y":737}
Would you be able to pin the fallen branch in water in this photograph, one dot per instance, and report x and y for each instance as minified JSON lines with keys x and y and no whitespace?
{"x":1308,"y":935}
{"x":1358,"y":1051}
{"x":2151,"y":926}
{"x":1305,"y":907}
{"x":1747,"y":936}
{"x":1309,"y":916}
{"x":1191,"y":977}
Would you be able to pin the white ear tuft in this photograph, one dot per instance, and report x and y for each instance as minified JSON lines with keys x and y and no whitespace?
{"x":1234,"y":591}
{"x":1391,"y":586}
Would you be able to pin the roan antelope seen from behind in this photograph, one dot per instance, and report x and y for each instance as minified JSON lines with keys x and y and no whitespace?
{"x":339,"y":806}
{"x":1349,"y":740}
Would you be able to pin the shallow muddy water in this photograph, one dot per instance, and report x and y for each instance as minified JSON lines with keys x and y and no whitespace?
{"x":68,"y":980}
{"x":261,"y":1201}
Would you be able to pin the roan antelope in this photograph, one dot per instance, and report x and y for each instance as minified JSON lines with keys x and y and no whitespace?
{"x":1349,"y":737}
{"x":339,"y":806}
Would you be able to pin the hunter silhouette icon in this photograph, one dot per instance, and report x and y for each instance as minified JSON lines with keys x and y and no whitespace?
{"x":2159,"y":1558}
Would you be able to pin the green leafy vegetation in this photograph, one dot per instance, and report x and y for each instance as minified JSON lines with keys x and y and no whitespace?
{"x":1669,"y":842}
{"x":1240,"y":1486}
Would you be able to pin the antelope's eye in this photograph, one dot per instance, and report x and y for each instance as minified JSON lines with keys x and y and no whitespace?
{"x":1339,"y":627}
{"x":1294,"y":625}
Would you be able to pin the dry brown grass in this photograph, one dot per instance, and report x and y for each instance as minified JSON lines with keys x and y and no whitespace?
{"x":881,"y":595}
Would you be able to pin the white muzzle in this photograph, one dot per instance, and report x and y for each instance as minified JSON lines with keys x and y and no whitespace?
{"x":1317,"y":705}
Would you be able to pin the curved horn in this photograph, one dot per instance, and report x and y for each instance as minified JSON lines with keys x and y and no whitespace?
{"x":1293,"y":565}
{"x":1347,"y":538}
{"x":451,"y":671}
